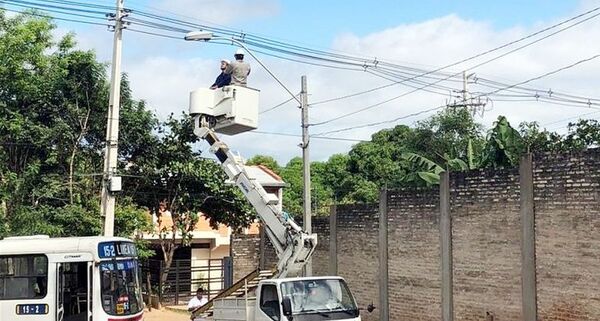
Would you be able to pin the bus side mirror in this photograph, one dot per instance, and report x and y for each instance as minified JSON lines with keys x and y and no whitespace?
{"x":286,"y":305}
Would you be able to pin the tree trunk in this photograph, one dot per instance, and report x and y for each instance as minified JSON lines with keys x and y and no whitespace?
{"x":83,"y":129}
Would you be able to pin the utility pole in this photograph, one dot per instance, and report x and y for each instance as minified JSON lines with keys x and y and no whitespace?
{"x":111,"y":183}
{"x":306,"y":169}
{"x":465,"y":82}
{"x":467,"y":102}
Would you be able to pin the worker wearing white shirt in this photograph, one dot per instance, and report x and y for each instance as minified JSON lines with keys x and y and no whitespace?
{"x":197,"y":301}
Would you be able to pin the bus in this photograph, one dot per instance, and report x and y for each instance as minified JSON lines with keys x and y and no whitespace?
{"x":69,"y":279}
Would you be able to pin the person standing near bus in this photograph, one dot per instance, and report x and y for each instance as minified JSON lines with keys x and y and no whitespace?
{"x":197,"y":301}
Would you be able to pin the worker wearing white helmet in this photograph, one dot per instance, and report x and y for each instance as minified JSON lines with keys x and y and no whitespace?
{"x":238,"y":69}
{"x":223,"y":79}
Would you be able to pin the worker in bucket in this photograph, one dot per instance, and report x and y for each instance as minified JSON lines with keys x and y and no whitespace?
{"x":238,"y":69}
{"x":223,"y":79}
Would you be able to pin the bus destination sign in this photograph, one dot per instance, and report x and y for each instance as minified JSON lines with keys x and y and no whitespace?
{"x":116,"y":249}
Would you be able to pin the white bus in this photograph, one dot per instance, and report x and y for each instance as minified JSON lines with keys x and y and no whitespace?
{"x":69,"y":279}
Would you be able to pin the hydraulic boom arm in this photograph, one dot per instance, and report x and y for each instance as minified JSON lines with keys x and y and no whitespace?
{"x":292,"y":245}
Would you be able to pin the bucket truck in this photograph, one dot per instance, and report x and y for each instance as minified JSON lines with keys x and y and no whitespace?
{"x":232,"y":110}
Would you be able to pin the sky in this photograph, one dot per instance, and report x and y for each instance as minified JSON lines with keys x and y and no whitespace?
{"x":425,"y":35}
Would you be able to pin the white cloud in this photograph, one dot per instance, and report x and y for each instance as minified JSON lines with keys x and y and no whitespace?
{"x":164,"y":79}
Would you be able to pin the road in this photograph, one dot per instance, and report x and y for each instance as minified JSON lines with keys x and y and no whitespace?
{"x":165,"y":315}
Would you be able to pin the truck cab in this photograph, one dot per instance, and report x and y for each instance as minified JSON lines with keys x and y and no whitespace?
{"x":297,"y":299}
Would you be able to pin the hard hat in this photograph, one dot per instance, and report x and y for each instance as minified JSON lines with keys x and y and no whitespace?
{"x":239,"y":52}
{"x":225,"y":61}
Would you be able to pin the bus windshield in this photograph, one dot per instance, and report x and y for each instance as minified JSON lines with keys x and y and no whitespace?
{"x":121,"y":294}
{"x":322,"y":296}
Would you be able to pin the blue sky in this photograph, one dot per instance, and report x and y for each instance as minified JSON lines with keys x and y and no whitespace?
{"x":328,"y":18}
{"x":425,"y":34}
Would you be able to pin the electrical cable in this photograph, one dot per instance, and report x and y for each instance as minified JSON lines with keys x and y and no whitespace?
{"x":276,"y":106}
{"x":480,"y":54}
{"x":477,"y":65}
{"x":57,"y":18}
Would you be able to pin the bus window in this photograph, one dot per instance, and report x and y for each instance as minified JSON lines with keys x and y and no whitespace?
{"x":120,"y":287}
{"x":23,"y":277}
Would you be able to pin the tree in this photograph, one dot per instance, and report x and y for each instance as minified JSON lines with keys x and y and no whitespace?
{"x":176,"y":184}
{"x":582,"y":134}
{"x":503,"y":147}
{"x":447,"y":135}
{"x":536,"y":140}
{"x":53,"y":101}
{"x":293,"y":193}
{"x":267,"y":161}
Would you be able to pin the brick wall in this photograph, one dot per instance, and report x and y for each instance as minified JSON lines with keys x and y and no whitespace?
{"x":485,"y":209}
{"x":357,"y":241}
{"x":486,"y":244}
{"x":321,"y":257}
{"x":413,"y":255}
{"x":245,"y":250}
{"x":567,"y":209}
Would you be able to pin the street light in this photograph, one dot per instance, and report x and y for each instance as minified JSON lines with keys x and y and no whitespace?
{"x":206,"y":36}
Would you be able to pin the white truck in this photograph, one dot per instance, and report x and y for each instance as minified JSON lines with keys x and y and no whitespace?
{"x":232,"y":110}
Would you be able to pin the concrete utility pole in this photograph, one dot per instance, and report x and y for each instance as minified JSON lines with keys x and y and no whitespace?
{"x":306,"y":168}
{"x":467,"y":102}
{"x":465,"y":83}
{"x":112,"y":183}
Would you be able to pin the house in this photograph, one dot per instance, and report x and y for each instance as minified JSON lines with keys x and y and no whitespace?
{"x":201,"y":264}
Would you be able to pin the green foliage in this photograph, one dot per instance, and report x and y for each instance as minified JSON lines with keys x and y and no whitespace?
{"x":582,"y":134}
{"x":267,"y":161}
{"x":423,"y":172}
{"x":536,"y":140}
{"x":293,"y":195}
{"x":504,"y":145}
{"x":49,"y":93}
{"x":447,"y":135}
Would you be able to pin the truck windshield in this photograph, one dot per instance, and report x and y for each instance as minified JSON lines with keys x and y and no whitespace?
{"x":327,"y":297}
{"x":121,"y":293}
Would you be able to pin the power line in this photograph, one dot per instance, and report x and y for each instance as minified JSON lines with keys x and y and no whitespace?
{"x":277,"y":106}
{"x":153,"y":34}
{"x":543,"y":75}
{"x":312,"y":136}
{"x":520,"y":89}
{"x":56,"y":18}
{"x":381,"y":122}
{"x":477,"y":65}
{"x":45,"y":5}
{"x":150,"y":24}
{"x":571,"y":118}
{"x":164,"y":27}
{"x":482,"y":95}
{"x":469,"y":58}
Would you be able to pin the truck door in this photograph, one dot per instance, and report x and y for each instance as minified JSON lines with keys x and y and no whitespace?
{"x":269,"y":305}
